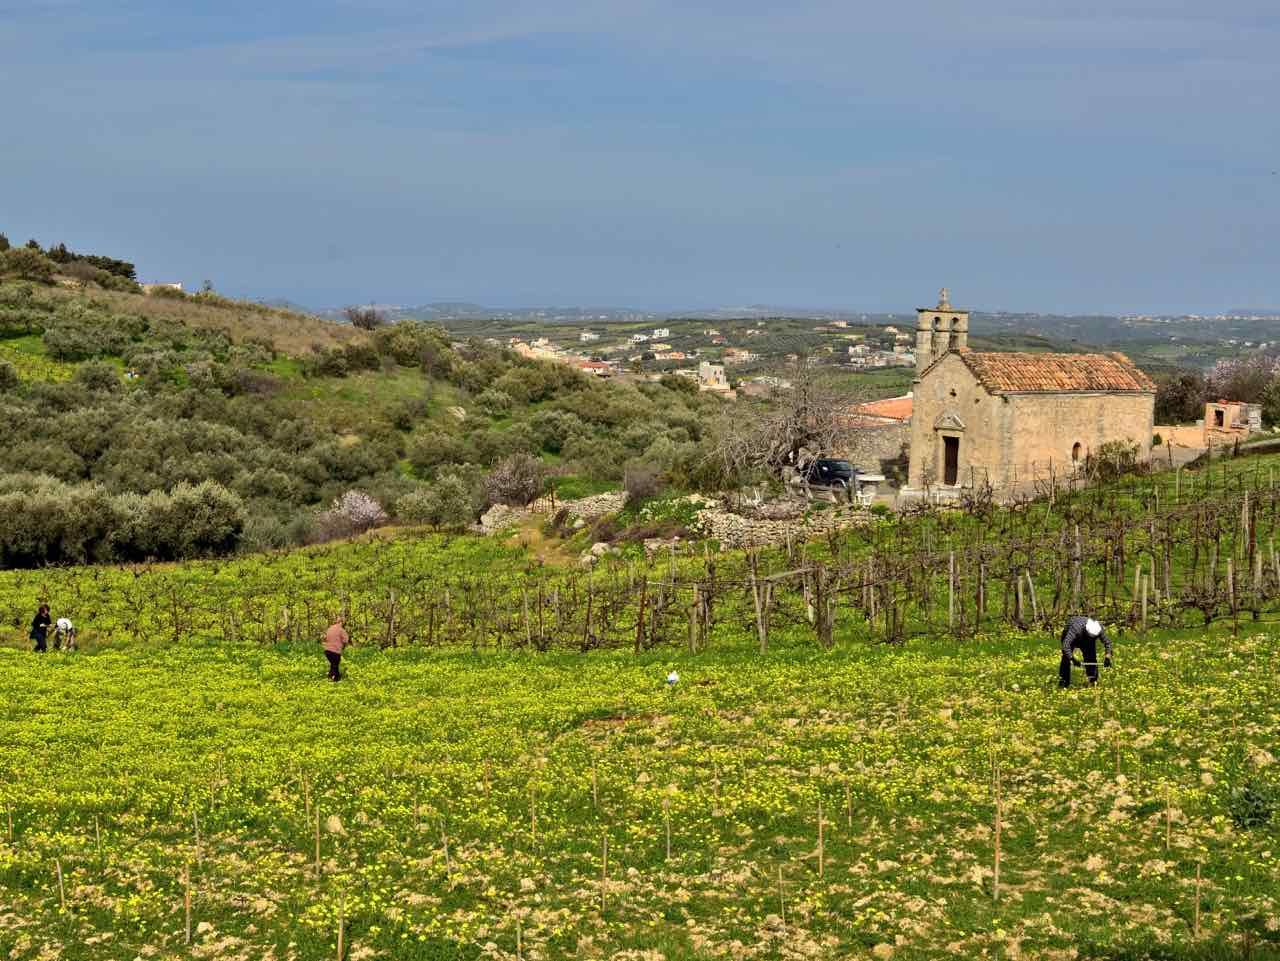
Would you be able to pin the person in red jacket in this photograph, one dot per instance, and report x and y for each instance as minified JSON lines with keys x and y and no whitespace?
{"x":336,"y":640}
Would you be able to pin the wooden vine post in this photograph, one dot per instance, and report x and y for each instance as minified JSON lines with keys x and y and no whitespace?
{"x":666,"y":817}
{"x":186,"y":903}
{"x":342,"y":924}
{"x":604,"y":873}
{"x":995,"y":867}
{"x":822,"y":853}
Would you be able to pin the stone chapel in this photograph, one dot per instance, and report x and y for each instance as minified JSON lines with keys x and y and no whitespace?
{"x":1010,"y":419}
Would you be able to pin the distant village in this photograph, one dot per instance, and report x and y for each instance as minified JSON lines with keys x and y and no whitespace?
{"x":706,"y":357}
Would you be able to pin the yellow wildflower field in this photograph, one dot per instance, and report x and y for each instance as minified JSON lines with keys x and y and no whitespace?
{"x":220,"y":800}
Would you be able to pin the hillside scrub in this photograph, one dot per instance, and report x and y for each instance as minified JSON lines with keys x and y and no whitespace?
{"x":44,"y":521}
{"x":286,"y":436}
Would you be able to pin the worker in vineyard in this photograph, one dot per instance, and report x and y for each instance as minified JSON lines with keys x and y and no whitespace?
{"x":64,"y":634}
{"x":1082,"y":634}
{"x":336,"y":640}
{"x":40,"y":628}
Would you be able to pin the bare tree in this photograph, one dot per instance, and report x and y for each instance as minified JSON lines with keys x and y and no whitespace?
{"x":812,"y":418}
{"x":365,"y":318}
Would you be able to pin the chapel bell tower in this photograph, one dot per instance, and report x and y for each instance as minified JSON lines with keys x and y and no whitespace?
{"x":938,"y":330}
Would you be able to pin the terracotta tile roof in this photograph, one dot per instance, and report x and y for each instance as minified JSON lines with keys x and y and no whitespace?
{"x":895,"y":408}
{"x":1006,"y":373}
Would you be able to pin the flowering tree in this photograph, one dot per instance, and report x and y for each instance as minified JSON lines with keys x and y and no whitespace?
{"x":355,"y":510}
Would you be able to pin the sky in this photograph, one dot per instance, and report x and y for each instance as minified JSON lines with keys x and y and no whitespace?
{"x":1108,"y":156}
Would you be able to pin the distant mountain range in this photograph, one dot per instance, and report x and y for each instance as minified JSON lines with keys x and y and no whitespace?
{"x":443,"y":311}
{"x":1236,"y":326}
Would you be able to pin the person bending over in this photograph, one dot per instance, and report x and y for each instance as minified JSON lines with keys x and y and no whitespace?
{"x":1081,"y":634}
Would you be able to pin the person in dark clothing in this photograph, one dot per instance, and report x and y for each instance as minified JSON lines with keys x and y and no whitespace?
{"x":40,"y":628}
{"x":1082,"y":634}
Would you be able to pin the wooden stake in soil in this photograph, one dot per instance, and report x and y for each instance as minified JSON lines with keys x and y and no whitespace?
{"x":782,"y":901}
{"x":1168,"y":819}
{"x":195,"y":824}
{"x":951,"y":590}
{"x":519,"y":939}
{"x":342,"y":923}
{"x":595,"y":786}
{"x":604,"y":874}
{"x":848,"y":804}
{"x":666,"y":817}
{"x":448,"y":864}
{"x":533,"y":814}
{"x":822,"y":851}
{"x":317,"y":839}
{"x":62,"y":895}
{"x":186,"y":903}
{"x":1145,"y":581}
{"x":995,"y":868}
{"x":97,"y":836}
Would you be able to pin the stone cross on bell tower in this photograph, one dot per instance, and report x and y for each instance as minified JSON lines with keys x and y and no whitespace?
{"x":939,"y":329}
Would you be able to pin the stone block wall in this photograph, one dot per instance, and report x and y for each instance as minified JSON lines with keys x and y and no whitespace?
{"x":879,"y":447}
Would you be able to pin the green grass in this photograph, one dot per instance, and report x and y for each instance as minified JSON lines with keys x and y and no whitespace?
{"x":287,"y":368}
{"x":872,"y":384}
{"x":348,"y":403}
{"x":28,"y":356}
{"x":575,"y":486}
{"x":524,"y":765}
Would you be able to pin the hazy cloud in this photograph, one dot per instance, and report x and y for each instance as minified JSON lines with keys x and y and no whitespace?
{"x":1065,"y":155}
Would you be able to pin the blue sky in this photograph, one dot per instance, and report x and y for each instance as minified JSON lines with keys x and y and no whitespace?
{"x":1072,"y":156}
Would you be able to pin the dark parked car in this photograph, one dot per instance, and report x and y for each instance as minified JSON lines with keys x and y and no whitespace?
{"x":829,"y":472}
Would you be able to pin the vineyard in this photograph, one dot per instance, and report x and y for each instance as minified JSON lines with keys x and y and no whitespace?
{"x":865,"y":754}
{"x":1171,"y":549}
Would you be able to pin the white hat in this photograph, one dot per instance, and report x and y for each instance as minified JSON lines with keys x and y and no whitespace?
{"x":1092,"y":627}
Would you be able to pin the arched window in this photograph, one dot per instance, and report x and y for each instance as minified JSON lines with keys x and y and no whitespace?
{"x":1075,"y":452}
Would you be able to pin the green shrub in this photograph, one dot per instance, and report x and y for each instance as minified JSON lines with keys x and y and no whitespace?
{"x":1251,"y":802}
{"x":432,"y":447}
{"x":413,"y":343}
{"x":98,"y":376}
{"x":447,"y":504}
{"x":27,"y":264}
{"x":83,"y":334}
{"x":494,"y":403}
{"x":9,"y":379}
{"x":1114,"y":459}
{"x":680,"y":511}
{"x":551,"y":428}
{"x":192,"y":521}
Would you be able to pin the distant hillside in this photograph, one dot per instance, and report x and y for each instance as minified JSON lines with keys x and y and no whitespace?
{"x":289,"y":331}
{"x":166,"y":426}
